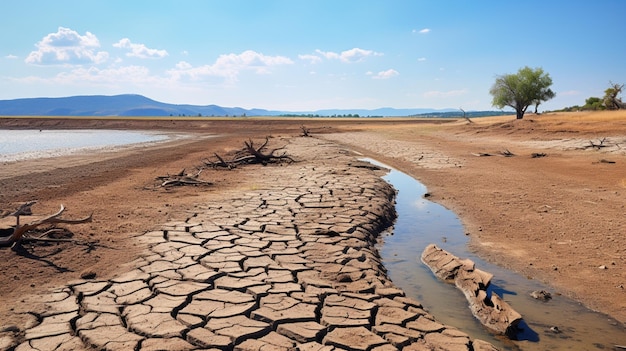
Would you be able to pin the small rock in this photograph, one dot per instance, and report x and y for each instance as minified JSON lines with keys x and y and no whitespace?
{"x":541,"y":295}
{"x":88,"y":275}
{"x":10,"y":328}
{"x":555,"y":330}
{"x":602,"y":267}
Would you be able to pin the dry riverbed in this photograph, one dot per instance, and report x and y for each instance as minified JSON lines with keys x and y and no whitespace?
{"x":557,"y":218}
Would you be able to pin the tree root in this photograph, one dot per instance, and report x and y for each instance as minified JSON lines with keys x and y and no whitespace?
{"x":250,"y":154}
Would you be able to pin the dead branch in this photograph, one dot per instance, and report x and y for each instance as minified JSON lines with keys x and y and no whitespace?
{"x":538,"y":155}
{"x":220,"y":163}
{"x":18,"y":232}
{"x":251,"y":154}
{"x":465,"y":116}
{"x":506,"y":153}
{"x":596,"y":146}
{"x":181,"y":179}
{"x":306,"y":132}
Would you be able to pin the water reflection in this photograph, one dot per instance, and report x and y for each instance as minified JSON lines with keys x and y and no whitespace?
{"x":559,"y":324}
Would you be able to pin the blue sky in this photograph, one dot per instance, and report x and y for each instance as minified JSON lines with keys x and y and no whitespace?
{"x":308,"y":55}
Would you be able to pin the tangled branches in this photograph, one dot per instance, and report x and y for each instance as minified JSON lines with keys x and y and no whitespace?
{"x":250,"y":154}
{"x":18,"y":233}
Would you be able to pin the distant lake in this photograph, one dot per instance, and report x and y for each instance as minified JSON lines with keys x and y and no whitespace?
{"x":16,"y":145}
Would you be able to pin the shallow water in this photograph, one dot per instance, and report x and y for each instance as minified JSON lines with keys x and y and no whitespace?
{"x":421,"y":222}
{"x":16,"y":145}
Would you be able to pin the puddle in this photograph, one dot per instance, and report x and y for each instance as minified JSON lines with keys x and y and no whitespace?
{"x":421,"y":222}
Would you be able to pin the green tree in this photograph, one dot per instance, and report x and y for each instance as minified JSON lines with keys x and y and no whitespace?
{"x":527,"y":87}
{"x":593,"y":103}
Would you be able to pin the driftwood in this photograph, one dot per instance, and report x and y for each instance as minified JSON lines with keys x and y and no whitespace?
{"x":181,"y":179}
{"x":250,"y":154}
{"x":19,"y":232}
{"x":506,"y":153}
{"x":465,"y":117}
{"x":597,"y":146}
{"x":306,"y":132}
{"x":493,"y":312}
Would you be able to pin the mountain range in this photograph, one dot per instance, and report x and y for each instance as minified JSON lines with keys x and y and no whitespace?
{"x":138,"y":105}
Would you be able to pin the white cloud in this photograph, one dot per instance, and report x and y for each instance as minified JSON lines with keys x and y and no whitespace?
{"x":328,"y":54}
{"x":349,"y":56}
{"x":10,"y":57}
{"x":229,"y":66}
{"x":421,"y":31}
{"x":444,"y":94}
{"x":139,"y":50}
{"x":421,"y":59}
{"x":67,"y":47}
{"x":385,"y":74}
{"x":313,"y":59}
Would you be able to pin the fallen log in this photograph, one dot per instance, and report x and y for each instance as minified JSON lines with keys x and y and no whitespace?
{"x":493,"y":312}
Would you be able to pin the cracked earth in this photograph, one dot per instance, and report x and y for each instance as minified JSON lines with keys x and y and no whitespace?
{"x":291,"y":265}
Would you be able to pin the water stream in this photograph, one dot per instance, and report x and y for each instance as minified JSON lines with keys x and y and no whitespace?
{"x":421,"y":222}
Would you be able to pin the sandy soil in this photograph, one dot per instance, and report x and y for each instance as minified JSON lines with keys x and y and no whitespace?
{"x":557,"y":218}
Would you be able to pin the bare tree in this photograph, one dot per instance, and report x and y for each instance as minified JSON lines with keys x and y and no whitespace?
{"x":611,"y":100}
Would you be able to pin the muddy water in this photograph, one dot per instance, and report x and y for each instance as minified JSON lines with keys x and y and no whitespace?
{"x":421,"y":222}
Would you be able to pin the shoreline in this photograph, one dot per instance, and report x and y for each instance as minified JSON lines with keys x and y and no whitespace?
{"x":83,"y":156}
{"x":14,"y":157}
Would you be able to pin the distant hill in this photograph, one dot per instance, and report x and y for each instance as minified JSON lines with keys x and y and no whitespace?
{"x":117,"y":105}
{"x":138,"y":105}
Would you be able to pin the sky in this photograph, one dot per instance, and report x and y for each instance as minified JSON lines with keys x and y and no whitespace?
{"x":305,"y":55}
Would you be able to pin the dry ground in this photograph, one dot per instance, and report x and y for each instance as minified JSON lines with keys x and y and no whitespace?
{"x":556,"y":218}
